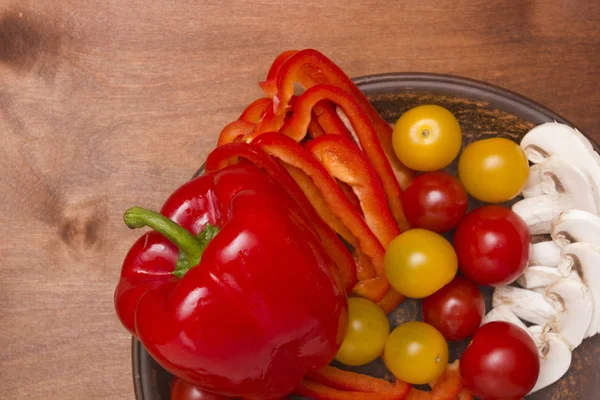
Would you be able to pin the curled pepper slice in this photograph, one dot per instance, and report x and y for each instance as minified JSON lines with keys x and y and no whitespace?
{"x":297,"y":127}
{"x":269,"y":85}
{"x":235,"y":131}
{"x":310,"y":67}
{"x":344,"y":160}
{"x":256,"y":110}
{"x":223,"y":156}
{"x":290,"y":152}
{"x":447,"y":387}
{"x":319,"y":391}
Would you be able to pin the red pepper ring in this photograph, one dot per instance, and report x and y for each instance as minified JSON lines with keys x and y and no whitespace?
{"x":297,"y":127}
{"x":292,"y":153}
{"x":222,"y":156}
{"x":256,"y":110}
{"x":344,"y":160}
{"x":235,"y":131}
{"x":269,"y":85}
{"x":310,"y":67}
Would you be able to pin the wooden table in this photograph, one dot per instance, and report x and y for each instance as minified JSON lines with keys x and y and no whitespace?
{"x":107,"y":104}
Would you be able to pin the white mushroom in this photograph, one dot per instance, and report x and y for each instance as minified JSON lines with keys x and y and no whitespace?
{"x":576,"y":226}
{"x":565,"y":187}
{"x":555,"y":356}
{"x":584,"y":259}
{"x":533,"y":187}
{"x":566,"y":306}
{"x":554,"y":139}
{"x":578,"y":305}
{"x":529,"y":305}
{"x":536,"y":276}
{"x":545,"y":253}
{"x":503,"y":313}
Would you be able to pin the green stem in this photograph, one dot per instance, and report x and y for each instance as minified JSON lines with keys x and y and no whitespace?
{"x":138,"y":217}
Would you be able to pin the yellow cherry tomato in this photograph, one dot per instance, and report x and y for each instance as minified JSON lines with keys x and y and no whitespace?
{"x":427,"y":138}
{"x":416,"y":352}
{"x":368,"y":329}
{"x":493,"y":170}
{"x":419,"y":262}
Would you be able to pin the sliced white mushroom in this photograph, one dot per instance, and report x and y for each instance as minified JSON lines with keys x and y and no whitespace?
{"x":503,"y":313}
{"x":588,"y":145}
{"x":533,"y":187}
{"x":536,"y":276}
{"x":555,"y":139}
{"x":565,"y":186}
{"x":545,"y":253}
{"x":576,"y":226}
{"x":578,"y":306}
{"x":529,"y":305}
{"x":584,"y":259}
{"x":555,"y":356}
{"x":566,"y":306}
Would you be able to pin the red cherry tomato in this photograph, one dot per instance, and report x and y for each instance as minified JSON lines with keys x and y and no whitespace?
{"x":436,"y":201}
{"x":456,"y":309}
{"x":502,"y":362}
{"x":182,"y":390}
{"x":492,"y":246}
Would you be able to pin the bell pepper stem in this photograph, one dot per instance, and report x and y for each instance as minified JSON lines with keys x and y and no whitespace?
{"x":138,"y":217}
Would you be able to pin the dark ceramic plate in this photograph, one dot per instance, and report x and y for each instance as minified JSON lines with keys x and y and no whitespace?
{"x":483,"y":111}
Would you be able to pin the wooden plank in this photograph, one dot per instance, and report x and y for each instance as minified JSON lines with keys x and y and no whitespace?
{"x":106,"y":104}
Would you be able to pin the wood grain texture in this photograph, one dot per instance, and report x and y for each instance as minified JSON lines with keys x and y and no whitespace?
{"x":109,"y":103}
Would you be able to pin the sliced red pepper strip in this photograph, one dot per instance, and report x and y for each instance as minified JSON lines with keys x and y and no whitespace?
{"x":447,"y":387}
{"x":294,"y":154}
{"x":344,"y":160}
{"x":329,"y":119}
{"x":222,"y":156}
{"x":364,"y":266}
{"x":351,"y":381}
{"x":310,"y":67}
{"x":269,"y":85}
{"x":314,"y":129}
{"x":256,"y":110}
{"x":391,"y":300}
{"x":319,"y":391}
{"x":350,"y":195}
{"x":298,"y":124}
{"x":315,"y":197}
{"x":464,"y":395}
{"x":235,"y":131}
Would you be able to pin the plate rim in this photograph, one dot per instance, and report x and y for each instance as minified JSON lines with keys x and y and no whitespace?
{"x":419,"y":81}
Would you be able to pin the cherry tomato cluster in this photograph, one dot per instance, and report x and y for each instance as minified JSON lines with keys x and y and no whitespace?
{"x":490,"y":246}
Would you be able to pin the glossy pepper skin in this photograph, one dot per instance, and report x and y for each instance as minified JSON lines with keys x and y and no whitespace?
{"x":260,"y":310}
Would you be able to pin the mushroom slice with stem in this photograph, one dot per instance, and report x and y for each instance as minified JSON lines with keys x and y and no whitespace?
{"x":566,"y":306}
{"x":536,"y":276}
{"x":578,"y":308}
{"x":555,"y":139}
{"x":529,"y":305}
{"x":505,"y":314}
{"x":545,"y":253}
{"x":555,"y":356}
{"x":566,"y":188}
{"x":533,"y":187}
{"x":584,"y":259}
{"x":576,"y":226}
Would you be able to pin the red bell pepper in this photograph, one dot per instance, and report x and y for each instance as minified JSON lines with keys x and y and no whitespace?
{"x":182,"y":390}
{"x":308,"y":68}
{"x":344,"y":160}
{"x":297,"y":127}
{"x":329,"y":119}
{"x":224,"y":155}
{"x":269,"y":86}
{"x":290,"y":152}
{"x":233,"y":291}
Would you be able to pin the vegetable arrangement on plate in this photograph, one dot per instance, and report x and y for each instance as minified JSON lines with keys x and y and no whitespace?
{"x":315,"y":218}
